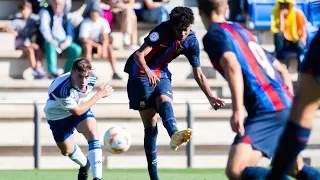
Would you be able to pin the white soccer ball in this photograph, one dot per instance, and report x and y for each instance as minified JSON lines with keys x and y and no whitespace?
{"x":117,"y":140}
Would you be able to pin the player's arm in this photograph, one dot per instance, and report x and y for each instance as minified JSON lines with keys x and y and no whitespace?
{"x":233,"y":74}
{"x":283,"y":71}
{"x":220,"y":51}
{"x":140,"y":54}
{"x":151,"y":41}
{"x":193,"y":56}
{"x":103,"y":91}
{"x":68,"y":103}
{"x":204,"y":86}
{"x":139,"y":59}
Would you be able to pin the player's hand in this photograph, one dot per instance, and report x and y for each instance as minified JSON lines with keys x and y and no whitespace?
{"x":216,"y":102}
{"x":54,"y":42}
{"x":63,"y":46}
{"x":104,"y":91}
{"x":236,"y":122}
{"x":152,"y":78}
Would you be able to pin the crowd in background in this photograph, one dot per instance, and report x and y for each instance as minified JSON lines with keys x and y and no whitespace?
{"x":48,"y":27}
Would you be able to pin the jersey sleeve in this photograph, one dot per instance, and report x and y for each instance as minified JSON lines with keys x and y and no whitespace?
{"x":67,"y":102}
{"x":154,"y":37}
{"x":216,"y":44}
{"x":193,"y":53}
{"x":92,"y":81}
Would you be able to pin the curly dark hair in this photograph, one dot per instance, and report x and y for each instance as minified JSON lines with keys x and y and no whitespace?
{"x":181,"y":17}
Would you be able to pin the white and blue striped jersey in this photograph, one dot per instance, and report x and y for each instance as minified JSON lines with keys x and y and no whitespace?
{"x":63,"y":97}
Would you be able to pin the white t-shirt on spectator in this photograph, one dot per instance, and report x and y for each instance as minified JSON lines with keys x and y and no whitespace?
{"x":94,"y":30}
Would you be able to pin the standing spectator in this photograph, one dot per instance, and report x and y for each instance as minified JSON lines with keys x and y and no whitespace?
{"x":127,"y":19}
{"x":23,"y":29}
{"x":58,"y":33}
{"x":287,"y":25}
{"x":94,"y":34}
{"x":155,"y":11}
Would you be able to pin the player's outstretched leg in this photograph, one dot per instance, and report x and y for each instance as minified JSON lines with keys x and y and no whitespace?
{"x":169,"y":121}
{"x":297,"y":132}
{"x":180,"y":137}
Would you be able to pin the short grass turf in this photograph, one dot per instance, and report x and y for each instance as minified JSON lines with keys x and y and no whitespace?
{"x":115,"y":174}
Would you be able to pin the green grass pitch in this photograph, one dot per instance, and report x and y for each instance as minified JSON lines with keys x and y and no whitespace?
{"x":115,"y":174}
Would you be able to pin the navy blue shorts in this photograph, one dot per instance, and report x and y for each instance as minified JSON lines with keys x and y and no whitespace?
{"x":311,"y":63}
{"x":64,"y":128}
{"x":263,"y":131}
{"x":142,"y":96}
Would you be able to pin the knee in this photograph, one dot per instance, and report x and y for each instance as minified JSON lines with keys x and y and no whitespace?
{"x":65,"y":152}
{"x":162,"y":104}
{"x":233,"y":172}
{"x":92,"y":135}
{"x":76,"y":50}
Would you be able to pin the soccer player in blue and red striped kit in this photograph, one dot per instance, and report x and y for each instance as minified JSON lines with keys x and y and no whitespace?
{"x":305,"y":105}
{"x":149,"y":84}
{"x":259,"y":82}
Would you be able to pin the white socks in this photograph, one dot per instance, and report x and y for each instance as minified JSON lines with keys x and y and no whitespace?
{"x":77,"y":156}
{"x":95,"y":158}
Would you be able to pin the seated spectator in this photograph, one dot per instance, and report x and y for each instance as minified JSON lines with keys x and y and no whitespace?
{"x":238,"y":7}
{"x":287,"y":25}
{"x":94,"y":34}
{"x":127,"y":19}
{"x":58,"y":33}
{"x":23,"y":29}
{"x":155,"y":11}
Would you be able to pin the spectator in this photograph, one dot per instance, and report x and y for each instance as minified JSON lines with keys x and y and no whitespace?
{"x":94,"y":34}
{"x":155,"y":11}
{"x":23,"y":29}
{"x":288,"y":28}
{"x":58,"y":33}
{"x":238,"y":7}
{"x":127,"y":19}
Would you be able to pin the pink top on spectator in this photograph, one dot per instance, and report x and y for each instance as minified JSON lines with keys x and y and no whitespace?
{"x":107,"y":14}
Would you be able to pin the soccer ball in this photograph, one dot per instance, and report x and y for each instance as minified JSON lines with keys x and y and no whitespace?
{"x":117,"y":140}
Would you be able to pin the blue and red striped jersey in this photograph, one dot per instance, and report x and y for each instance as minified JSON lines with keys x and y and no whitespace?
{"x":165,"y":48}
{"x":264,"y":89}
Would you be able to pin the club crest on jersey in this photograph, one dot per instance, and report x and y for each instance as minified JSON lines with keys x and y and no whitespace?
{"x":154,"y":36}
{"x":142,"y":104}
{"x":179,"y":50}
{"x":64,"y":103}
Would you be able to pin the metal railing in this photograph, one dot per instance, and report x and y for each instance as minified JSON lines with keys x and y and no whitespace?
{"x":37,"y":121}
